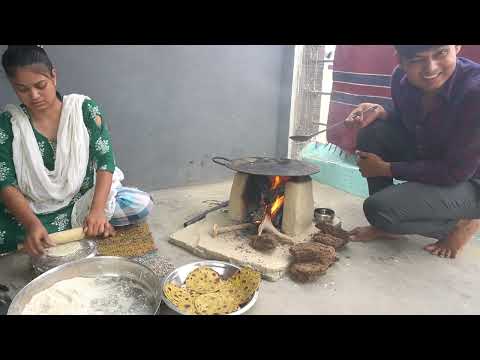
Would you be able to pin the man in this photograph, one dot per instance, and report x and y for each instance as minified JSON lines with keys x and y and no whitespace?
{"x":430,"y":139}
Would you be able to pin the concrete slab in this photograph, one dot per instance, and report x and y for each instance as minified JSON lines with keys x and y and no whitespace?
{"x":381,"y":277}
{"x":234,"y":247}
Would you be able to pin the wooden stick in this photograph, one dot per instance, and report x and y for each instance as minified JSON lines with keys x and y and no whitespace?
{"x":223,"y":229}
{"x":266,"y":225}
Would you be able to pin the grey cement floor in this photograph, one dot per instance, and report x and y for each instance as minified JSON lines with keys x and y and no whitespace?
{"x":381,"y":277}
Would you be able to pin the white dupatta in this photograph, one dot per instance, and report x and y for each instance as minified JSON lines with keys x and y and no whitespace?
{"x":48,"y":191}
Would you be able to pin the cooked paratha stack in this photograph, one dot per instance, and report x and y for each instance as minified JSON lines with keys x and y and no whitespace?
{"x":204,"y":280}
{"x":216,"y":303}
{"x":242,"y":285}
{"x":206,"y":293}
{"x":180,"y":297}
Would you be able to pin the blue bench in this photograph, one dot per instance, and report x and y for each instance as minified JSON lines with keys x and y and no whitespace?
{"x":338,"y":170}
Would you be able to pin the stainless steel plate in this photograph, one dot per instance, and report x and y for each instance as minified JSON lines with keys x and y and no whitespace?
{"x":45,"y":262}
{"x":179,"y":275}
{"x":139,"y":276}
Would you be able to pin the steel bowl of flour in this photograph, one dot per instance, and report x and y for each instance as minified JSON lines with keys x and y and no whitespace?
{"x":102,"y":285}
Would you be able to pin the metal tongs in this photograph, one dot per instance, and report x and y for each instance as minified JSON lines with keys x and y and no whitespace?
{"x":302,"y":138}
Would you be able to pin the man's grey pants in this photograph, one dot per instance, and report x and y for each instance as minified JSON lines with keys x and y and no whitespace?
{"x":411,"y":207}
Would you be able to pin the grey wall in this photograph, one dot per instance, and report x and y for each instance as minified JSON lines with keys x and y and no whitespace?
{"x":171,"y":108}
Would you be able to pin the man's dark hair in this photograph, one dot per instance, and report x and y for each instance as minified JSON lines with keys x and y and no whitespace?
{"x":409,"y":51}
{"x":24,"y":55}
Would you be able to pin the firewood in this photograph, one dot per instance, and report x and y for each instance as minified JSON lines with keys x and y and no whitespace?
{"x":266,"y":225}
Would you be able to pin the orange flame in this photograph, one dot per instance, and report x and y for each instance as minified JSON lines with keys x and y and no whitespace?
{"x":277,"y":204}
{"x":276,"y":182}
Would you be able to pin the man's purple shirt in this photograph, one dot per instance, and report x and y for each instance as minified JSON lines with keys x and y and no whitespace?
{"x":448,"y":138}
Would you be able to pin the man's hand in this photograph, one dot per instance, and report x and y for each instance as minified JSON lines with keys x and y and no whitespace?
{"x":96,"y":224}
{"x":372,"y":165}
{"x":37,"y":240}
{"x":357,"y":119}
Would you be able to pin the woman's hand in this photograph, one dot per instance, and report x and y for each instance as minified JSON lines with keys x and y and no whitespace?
{"x":96,"y":223}
{"x":357,"y":119}
{"x":36,"y":236}
{"x":37,"y":240}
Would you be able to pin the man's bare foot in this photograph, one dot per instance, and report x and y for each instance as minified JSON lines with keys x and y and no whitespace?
{"x":450,"y":247}
{"x":442,"y":249}
{"x":367,"y":233}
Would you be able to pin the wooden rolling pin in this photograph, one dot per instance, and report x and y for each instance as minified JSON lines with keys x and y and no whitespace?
{"x":64,"y":237}
{"x":67,"y":236}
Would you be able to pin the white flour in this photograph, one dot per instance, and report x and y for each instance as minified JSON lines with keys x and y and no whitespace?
{"x":89,"y":296}
{"x":64,"y":250}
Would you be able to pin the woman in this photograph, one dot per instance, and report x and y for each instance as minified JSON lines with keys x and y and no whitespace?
{"x":57,"y":167}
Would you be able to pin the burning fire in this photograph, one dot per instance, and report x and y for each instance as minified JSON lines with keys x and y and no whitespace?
{"x":277,"y":180}
{"x":277,"y":204}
